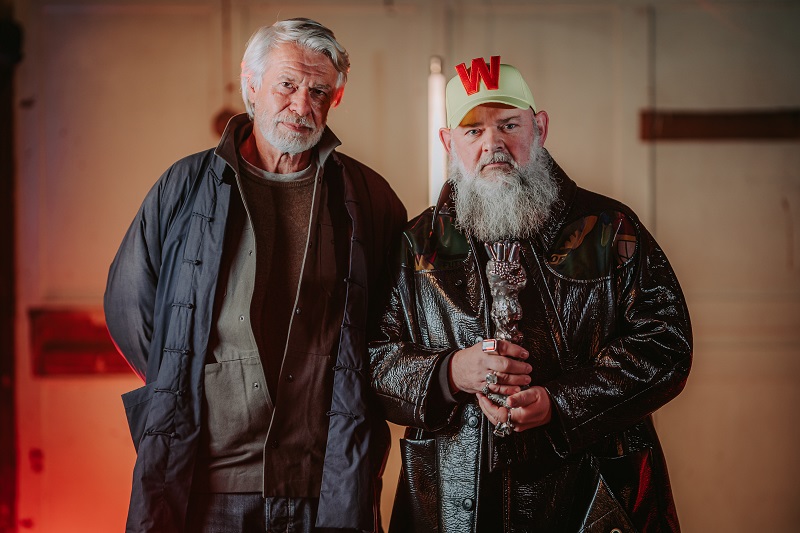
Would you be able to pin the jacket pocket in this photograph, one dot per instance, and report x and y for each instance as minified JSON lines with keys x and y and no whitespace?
{"x":236,"y":408}
{"x":622,"y":482}
{"x":137,"y":406}
{"x":606,"y":515}
{"x":416,"y":500}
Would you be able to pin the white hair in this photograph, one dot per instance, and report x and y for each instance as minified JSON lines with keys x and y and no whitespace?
{"x":504,"y":204}
{"x":300,"y":31}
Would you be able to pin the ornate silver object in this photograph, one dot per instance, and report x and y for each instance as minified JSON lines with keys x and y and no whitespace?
{"x":504,"y":429}
{"x":497,"y":398}
{"x":506,"y":279}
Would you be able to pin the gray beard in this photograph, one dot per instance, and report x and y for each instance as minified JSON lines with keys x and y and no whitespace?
{"x":514,"y":204}
{"x":288,"y":142}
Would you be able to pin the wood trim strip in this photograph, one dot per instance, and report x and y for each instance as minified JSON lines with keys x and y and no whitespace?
{"x":779,"y":124}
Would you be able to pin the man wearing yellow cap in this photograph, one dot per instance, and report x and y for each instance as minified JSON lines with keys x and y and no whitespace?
{"x":530,"y":330}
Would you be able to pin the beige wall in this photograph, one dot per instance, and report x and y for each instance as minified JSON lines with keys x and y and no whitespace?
{"x":728,"y":215}
{"x":112,"y":92}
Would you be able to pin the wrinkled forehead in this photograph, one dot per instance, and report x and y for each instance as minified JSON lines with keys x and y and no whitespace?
{"x":298,"y":62}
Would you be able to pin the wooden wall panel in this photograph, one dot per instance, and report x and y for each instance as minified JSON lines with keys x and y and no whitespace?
{"x":109,"y":95}
{"x":727,"y":216}
{"x":117,"y":105}
{"x":111,"y":92}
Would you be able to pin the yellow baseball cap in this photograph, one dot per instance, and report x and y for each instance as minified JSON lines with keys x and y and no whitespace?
{"x":502,"y":84}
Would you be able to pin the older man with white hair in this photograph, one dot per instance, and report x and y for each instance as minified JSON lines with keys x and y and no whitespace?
{"x":240,"y":294}
{"x":531,"y":329}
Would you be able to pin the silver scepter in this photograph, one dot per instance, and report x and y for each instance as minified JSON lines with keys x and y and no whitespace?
{"x":506,"y":278}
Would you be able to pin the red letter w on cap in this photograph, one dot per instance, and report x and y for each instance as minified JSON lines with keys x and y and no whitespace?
{"x":471,"y":80}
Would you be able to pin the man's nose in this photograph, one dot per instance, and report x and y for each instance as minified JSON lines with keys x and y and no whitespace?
{"x":301,"y":102}
{"x":492,"y":141}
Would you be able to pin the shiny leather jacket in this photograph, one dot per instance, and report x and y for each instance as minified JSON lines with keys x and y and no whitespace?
{"x":609,"y":337}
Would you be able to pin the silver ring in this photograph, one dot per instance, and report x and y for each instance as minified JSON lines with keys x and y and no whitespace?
{"x":509,"y":422}
{"x":491,"y":378}
{"x":489,"y":346}
{"x":502,"y":430}
{"x":485,"y":390}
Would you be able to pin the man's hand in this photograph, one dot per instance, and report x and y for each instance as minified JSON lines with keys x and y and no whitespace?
{"x":469,"y":367}
{"x":529,"y":409}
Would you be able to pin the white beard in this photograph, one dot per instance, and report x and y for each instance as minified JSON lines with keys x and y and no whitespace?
{"x":503,"y":203}
{"x":288,"y":142}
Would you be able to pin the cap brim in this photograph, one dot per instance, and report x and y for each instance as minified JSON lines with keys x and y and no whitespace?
{"x":461,"y":112}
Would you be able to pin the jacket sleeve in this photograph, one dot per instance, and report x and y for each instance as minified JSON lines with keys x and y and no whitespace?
{"x":643,"y":366}
{"x":403,"y":372}
{"x":130,"y":296}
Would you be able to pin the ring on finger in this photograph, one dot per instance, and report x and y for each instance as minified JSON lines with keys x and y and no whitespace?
{"x":503,"y":429}
{"x":485,"y":390}
{"x":491,"y":378}
{"x":509,"y":422}
{"x":489,"y":346}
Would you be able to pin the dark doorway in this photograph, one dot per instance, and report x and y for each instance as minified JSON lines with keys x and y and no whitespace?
{"x":10,"y":54}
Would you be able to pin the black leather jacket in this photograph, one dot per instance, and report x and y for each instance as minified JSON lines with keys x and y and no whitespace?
{"x":609,"y":337}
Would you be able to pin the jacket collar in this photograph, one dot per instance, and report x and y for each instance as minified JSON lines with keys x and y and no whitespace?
{"x":241,"y":126}
{"x":567,"y":190}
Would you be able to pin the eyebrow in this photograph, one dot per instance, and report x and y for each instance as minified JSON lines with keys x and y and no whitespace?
{"x":509,"y":119}
{"x":293,"y":79}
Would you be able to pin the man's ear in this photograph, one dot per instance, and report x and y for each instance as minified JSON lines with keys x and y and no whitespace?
{"x":444,"y":136}
{"x":337,"y":97}
{"x":542,"y":121}
{"x":251,"y":91}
